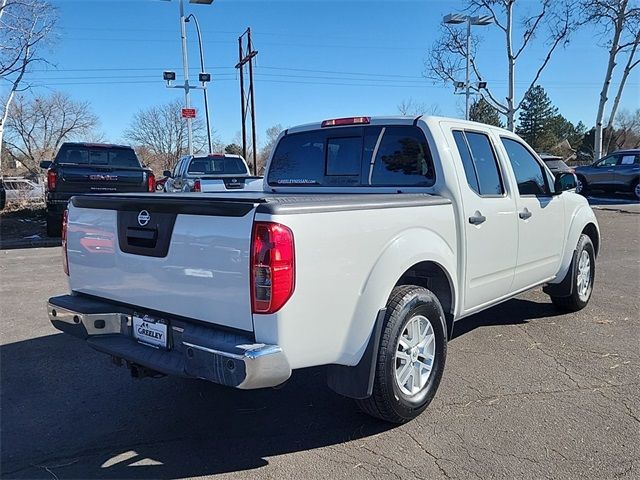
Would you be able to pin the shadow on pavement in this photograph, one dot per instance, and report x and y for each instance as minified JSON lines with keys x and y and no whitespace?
{"x":67,"y":410}
{"x":598,"y":199}
{"x":516,"y":311}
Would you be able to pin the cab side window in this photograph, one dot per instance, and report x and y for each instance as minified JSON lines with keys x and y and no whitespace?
{"x":530,"y":175}
{"x":609,"y":161}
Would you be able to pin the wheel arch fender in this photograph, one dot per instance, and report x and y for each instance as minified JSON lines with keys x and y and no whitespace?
{"x":407,"y":249}
{"x":583,"y":220}
{"x":353,"y":376}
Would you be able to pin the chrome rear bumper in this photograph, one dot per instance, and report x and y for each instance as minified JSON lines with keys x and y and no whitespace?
{"x":195,"y":350}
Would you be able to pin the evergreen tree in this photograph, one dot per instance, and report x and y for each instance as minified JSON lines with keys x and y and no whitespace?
{"x":536,"y":119}
{"x":483,"y":112}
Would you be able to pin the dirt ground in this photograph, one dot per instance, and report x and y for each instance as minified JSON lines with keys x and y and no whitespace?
{"x":24,"y":225}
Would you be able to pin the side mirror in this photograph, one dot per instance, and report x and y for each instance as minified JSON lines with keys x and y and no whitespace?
{"x":166,"y":173}
{"x":565,"y":181}
{"x":46,"y":164}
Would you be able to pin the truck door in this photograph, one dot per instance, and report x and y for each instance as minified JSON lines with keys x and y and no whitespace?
{"x":489,"y":215}
{"x":541,"y":225}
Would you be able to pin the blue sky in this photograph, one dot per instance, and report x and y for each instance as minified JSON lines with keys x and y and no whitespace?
{"x":316,"y":60}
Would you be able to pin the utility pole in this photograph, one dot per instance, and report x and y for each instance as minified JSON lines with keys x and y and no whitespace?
{"x":247,"y":103}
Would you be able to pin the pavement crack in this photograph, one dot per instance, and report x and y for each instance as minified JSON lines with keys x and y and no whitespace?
{"x":435,"y":458}
{"x":560,"y":367}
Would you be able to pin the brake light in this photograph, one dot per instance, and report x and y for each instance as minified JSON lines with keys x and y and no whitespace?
{"x":65,"y":258}
{"x":337,"y":122}
{"x":52,"y":180}
{"x":197,"y":187}
{"x":272,"y":267}
{"x":151,"y":182}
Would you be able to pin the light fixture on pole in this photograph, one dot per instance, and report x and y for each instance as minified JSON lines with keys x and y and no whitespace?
{"x":185,"y":67}
{"x":456,"y":19}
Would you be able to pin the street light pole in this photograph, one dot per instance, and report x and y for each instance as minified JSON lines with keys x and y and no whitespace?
{"x":185,"y":67}
{"x":455,"y":19}
{"x":204,"y":90}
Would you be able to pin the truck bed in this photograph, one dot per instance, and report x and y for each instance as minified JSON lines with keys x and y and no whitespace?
{"x":234,"y":204}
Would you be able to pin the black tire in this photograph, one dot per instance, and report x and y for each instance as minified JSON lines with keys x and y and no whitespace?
{"x":635,"y":190}
{"x":388,"y":402}
{"x":582,"y":187}
{"x":54,"y":225}
{"x":576,"y":301}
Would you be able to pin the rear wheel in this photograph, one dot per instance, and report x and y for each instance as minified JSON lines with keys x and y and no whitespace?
{"x":411,"y":358}
{"x":54,"y":225}
{"x":636,"y":190}
{"x":583,"y":277}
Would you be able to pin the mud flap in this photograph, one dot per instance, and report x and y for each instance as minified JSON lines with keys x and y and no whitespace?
{"x":357,"y":381}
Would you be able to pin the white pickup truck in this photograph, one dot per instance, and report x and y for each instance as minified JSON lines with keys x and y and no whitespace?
{"x":372,"y":238}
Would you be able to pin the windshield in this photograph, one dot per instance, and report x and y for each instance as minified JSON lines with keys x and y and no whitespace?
{"x":217,"y":166}
{"x":104,"y":156}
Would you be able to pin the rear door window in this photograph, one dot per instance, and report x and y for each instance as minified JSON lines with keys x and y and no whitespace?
{"x":479,"y":162}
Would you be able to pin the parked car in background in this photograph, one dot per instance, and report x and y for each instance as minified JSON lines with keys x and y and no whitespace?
{"x":617,"y":172}
{"x":160,"y":184}
{"x":555,"y":163}
{"x":91,"y":168}
{"x":20,"y":189}
{"x":3,"y":195}
{"x":375,"y":236}
{"x":211,"y":173}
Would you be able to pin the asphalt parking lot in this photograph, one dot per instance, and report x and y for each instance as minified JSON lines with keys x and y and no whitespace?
{"x":527,"y":393}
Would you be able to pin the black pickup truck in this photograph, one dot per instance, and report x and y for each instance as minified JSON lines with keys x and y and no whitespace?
{"x":81,"y":168}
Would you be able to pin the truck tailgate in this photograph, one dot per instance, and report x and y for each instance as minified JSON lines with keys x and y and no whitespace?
{"x":223,"y":184}
{"x":97,"y":179}
{"x":181,"y":256}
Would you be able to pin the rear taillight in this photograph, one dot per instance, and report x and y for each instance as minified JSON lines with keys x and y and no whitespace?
{"x":52,"y":180}
{"x":272,"y":267}
{"x":151,"y":183}
{"x":65,"y":259}
{"x":197,"y":187}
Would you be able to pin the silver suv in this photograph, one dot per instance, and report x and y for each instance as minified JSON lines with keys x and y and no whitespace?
{"x":210,"y":173}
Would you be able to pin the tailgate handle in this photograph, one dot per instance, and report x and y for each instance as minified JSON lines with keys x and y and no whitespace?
{"x":142,"y":237}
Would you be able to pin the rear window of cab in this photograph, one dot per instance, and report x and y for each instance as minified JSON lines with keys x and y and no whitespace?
{"x":395,"y":155}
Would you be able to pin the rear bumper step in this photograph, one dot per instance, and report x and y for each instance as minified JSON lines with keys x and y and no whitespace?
{"x":195,"y":351}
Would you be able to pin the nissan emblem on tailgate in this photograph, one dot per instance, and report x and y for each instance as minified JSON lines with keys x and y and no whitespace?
{"x":143,"y":218}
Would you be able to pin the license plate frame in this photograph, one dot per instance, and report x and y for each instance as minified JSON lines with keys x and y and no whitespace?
{"x":150,"y":331}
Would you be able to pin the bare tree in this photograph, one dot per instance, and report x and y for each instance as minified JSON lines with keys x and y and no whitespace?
{"x":160,"y":133}
{"x":619,"y":21}
{"x":410,"y":107}
{"x":25,"y":26}
{"x":37,"y":126}
{"x":553,"y":20}
{"x":272,"y":134}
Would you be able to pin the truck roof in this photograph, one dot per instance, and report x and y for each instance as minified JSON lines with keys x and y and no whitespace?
{"x":397,"y":120}
{"x":94,"y":145}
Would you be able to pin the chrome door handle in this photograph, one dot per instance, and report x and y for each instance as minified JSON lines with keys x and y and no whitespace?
{"x":477,"y":218}
{"x":525,"y":214}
